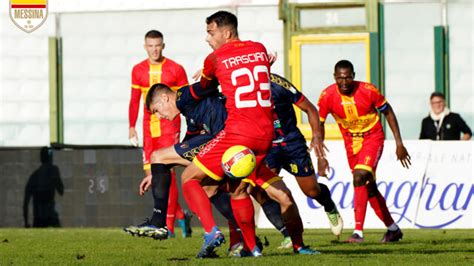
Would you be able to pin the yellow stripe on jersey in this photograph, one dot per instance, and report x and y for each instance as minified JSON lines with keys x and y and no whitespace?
{"x":357,"y":144}
{"x":349,"y":108}
{"x":274,"y":179}
{"x":204,"y":76}
{"x":365,"y":167}
{"x":134,"y":86}
{"x":205,"y":170}
{"x":155,"y":77}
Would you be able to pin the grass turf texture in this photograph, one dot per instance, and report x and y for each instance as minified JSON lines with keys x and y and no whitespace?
{"x":113,"y":246}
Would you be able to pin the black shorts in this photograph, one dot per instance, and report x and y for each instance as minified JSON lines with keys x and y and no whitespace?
{"x":190,"y":148}
{"x":291,"y":156}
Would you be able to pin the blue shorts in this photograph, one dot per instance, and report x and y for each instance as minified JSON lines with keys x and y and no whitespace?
{"x":190,"y":148}
{"x":291,"y":156}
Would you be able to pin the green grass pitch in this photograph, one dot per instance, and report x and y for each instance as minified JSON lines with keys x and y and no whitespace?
{"x":112,"y":246}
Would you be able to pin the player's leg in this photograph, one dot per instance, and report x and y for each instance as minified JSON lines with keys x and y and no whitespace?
{"x":377,"y":202}
{"x":274,"y":161}
{"x":278,"y":191}
{"x":200,"y":205}
{"x":272,"y":211}
{"x":243,"y":210}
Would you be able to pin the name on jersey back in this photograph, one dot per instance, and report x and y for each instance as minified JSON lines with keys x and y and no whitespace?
{"x":245,"y":59}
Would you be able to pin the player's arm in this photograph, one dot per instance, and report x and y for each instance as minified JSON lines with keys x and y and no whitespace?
{"x":208,"y":82}
{"x":402,"y":153}
{"x":313,"y":118}
{"x":323,"y":164}
{"x":133,"y":108}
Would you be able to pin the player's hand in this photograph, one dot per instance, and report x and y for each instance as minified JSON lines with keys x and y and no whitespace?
{"x":145,"y":185}
{"x":133,"y":137}
{"x":318,"y":146}
{"x":323,"y":166}
{"x":197,"y":75}
{"x":403,"y":156}
{"x":272,"y":58}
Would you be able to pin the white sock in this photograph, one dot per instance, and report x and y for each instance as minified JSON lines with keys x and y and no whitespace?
{"x":359,"y":232}
{"x":393,"y":227}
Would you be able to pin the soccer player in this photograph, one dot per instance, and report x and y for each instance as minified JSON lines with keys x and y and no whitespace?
{"x":209,"y":114}
{"x":355,"y":106}
{"x":204,"y":120}
{"x":157,"y":133}
{"x":289,"y":149}
{"x":242,"y":70}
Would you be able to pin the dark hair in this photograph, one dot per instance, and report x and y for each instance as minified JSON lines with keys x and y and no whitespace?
{"x":344,"y":64}
{"x":154,"y":91}
{"x":154,"y":34}
{"x":437,"y":94}
{"x":224,"y":18}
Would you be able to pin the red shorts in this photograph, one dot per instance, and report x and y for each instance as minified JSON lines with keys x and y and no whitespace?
{"x":364,"y":152}
{"x":209,"y":159}
{"x":156,"y":136}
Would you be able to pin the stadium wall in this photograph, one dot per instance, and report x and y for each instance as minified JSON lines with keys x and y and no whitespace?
{"x":100,"y":188}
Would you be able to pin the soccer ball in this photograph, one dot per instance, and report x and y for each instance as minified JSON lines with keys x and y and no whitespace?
{"x":238,"y":162}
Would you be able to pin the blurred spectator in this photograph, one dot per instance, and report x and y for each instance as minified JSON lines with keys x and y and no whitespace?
{"x":41,"y":186}
{"x":442,"y":124}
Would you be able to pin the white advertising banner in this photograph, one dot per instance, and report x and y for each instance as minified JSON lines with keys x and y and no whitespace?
{"x":436,"y":192}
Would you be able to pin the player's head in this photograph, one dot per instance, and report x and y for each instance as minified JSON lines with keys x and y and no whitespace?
{"x":154,"y":45}
{"x":437,"y":102}
{"x":221,"y":28}
{"x":344,"y":75}
{"x":161,"y":100}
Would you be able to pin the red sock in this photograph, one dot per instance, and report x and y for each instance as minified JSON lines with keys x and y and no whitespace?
{"x":172,"y":203}
{"x":234,"y":235}
{"x":360,"y":206}
{"x":199,"y":203}
{"x":294,"y":225}
{"x":380,"y":207}
{"x":243,"y":213}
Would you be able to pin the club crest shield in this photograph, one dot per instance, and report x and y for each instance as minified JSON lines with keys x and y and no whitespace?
{"x":28,"y":15}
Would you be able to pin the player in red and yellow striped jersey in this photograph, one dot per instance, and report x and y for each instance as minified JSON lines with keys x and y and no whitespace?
{"x":157,"y":133}
{"x":355,"y":106}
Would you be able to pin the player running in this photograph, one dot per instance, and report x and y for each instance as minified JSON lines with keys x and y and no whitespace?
{"x":355,"y":106}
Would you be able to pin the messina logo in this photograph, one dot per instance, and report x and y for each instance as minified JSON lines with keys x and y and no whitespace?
{"x":28,"y":15}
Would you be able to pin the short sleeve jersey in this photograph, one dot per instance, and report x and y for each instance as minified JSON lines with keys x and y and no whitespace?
{"x":208,"y":114}
{"x":356,"y":113}
{"x":284,"y":95}
{"x":144,"y":75}
{"x":242,"y":70}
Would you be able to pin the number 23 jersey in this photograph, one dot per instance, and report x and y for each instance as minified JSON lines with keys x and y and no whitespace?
{"x":242,"y":70}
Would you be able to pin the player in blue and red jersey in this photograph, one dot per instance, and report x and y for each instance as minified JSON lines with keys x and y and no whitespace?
{"x":157,"y":134}
{"x":289,"y":150}
{"x":355,"y":106}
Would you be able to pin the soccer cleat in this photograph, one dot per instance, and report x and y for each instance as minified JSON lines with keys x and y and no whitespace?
{"x":355,"y":238}
{"x":131,"y":229}
{"x":335,"y":222}
{"x":213,"y":239}
{"x":392,"y":236}
{"x":235,"y":250}
{"x":185,"y":224}
{"x":306,"y":250}
{"x":286,"y":243}
{"x":254,"y":253}
{"x":135,"y":230}
{"x":171,"y":235}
